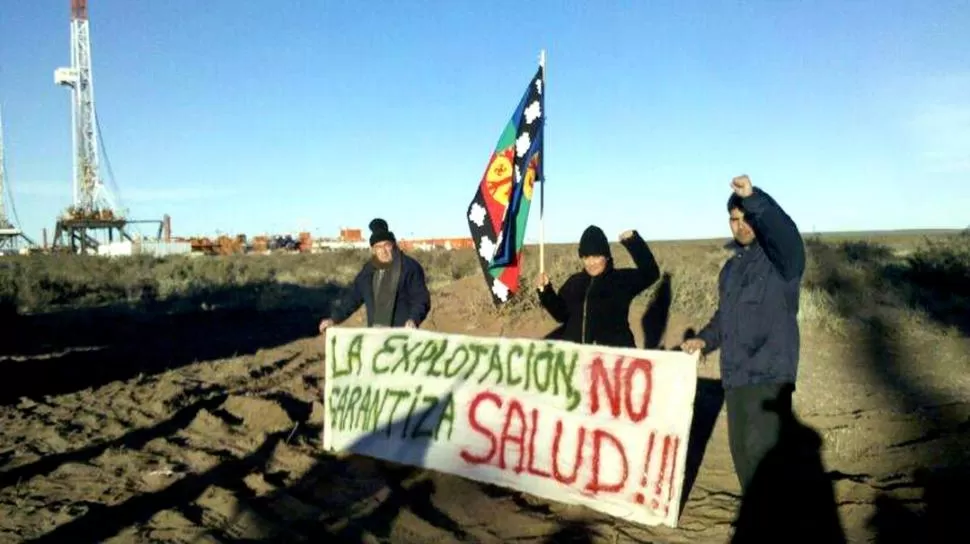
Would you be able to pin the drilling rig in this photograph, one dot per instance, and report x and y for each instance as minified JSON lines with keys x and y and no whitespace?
{"x":10,"y":235}
{"x":93,"y":210}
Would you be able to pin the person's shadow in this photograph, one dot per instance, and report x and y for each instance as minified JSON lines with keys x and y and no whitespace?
{"x":395,"y":462}
{"x":657,"y":314}
{"x":708,"y":400}
{"x":791,"y":498}
{"x":575,"y":532}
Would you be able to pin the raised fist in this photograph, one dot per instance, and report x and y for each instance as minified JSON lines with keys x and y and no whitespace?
{"x":741,"y":186}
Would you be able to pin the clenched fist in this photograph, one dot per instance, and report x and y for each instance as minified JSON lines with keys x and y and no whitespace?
{"x":741,"y":186}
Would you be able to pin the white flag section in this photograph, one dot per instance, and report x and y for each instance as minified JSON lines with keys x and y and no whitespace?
{"x":579,"y":424}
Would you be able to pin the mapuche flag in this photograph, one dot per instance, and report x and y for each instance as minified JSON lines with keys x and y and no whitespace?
{"x":498,"y":213}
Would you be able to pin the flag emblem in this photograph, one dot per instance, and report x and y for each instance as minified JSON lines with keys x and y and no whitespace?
{"x":499,"y":211}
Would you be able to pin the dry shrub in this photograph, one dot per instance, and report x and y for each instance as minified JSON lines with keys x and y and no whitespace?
{"x":937,"y":279}
{"x":942,"y":264}
{"x":43,"y":282}
{"x":443,"y":267}
{"x":840,"y":276}
{"x":859,"y":280}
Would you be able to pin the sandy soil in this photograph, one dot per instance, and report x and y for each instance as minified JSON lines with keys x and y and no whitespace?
{"x":138,"y":440}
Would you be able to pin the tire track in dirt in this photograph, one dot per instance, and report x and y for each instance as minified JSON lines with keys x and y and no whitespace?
{"x":217,"y":441}
{"x":196,"y":455}
{"x":167,"y":421}
{"x":228,"y":450}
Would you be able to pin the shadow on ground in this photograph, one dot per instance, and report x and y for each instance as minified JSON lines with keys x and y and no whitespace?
{"x":935,"y":282}
{"x":791,"y":497}
{"x":407,"y":441}
{"x":708,"y":400}
{"x":99,"y":521}
{"x":133,"y":440}
{"x":71,"y":350}
{"x":349,"y":499}
{"x":575,"y":532}
{"x":358,"y":499}
{"x":656,"y":316}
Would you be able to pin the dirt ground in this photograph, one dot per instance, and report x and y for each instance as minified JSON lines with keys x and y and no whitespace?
{"x":207,"y":429}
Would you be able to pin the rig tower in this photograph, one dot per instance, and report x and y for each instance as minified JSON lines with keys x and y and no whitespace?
{"x":93,"y":210}
{"x":10,"y":235}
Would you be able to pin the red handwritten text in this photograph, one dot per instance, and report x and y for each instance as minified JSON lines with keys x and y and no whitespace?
{"x":519,"y":429}
{"x":620,"y":390}
{"x":595,"y":460}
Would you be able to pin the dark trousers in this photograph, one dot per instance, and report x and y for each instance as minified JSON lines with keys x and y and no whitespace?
{"x":754,"y":415}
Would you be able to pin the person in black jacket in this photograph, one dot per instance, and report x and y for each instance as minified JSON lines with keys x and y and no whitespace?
{"x":594,"y":305}
{"x":392,"y":286}
{"x":756,"y":323}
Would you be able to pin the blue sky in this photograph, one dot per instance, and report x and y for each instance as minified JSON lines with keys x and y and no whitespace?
{"x":235,"y":116}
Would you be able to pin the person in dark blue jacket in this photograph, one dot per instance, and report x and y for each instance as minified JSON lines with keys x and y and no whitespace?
{"x":756,"y":323}
{"x":391,"y":286}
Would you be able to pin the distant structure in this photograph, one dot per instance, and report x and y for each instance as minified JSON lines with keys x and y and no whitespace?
{"x":348,"y":239}
{"x":354,"y":239}
{"x":10,"y":235}
{"x":162,"y":246}
{"x":351,"y":235}
{"x":428,"y":244}
{"x":265,"y":244}
{"x":94,"y":209}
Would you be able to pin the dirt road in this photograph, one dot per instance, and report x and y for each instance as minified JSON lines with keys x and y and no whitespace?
{"x":227,"y":450}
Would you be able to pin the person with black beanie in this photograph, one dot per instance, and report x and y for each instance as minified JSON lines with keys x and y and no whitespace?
{"x":594,"y":305}
{"x":391,"y":286}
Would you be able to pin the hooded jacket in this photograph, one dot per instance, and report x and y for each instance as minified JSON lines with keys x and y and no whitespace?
{"x":596,"y":310}
{"x":756,"y":322}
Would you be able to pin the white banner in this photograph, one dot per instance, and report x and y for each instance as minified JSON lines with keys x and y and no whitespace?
{"x":579,"y":424}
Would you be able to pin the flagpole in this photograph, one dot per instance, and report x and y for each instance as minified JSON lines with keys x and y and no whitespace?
{"x":542,"y":183}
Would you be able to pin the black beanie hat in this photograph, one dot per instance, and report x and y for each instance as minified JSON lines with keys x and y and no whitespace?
{"x":379,"y":232}
{"x":594,"y":242}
